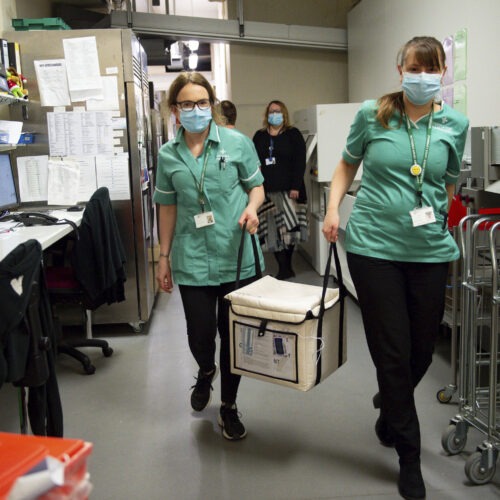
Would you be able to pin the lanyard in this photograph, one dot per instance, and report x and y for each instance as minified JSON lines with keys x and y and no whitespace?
{"x":416,"y":170}
{"x":271,"y":146}
{"x":199,"y":185}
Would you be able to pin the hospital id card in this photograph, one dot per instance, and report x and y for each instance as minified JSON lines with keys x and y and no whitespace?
{"x":204,"y":219}
{"x":422,"y":216}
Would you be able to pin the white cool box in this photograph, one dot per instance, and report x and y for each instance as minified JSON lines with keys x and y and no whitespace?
{"x":279,"y":332}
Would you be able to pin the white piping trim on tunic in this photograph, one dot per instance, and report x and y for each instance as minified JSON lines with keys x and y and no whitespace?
{"x":164,"y":192}
{"x":351,"y":155}
{"x":252,"y":176}
{"x":455,"y":176}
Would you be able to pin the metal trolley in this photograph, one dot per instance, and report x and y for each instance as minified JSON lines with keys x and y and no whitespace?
{"x":478,"y":384}
{"x":451,"y":319}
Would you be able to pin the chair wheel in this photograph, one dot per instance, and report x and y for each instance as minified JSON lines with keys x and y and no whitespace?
{"x":107,"y":351}
{"x":89,"y":369}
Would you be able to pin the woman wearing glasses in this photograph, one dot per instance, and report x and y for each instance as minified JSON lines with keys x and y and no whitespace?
{"x":208,"y":186}
{"x":282,"y":153}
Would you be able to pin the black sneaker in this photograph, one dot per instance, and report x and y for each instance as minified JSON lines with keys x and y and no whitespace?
{"x":411,"y":484}
{"x":202,"y":390}
{"x":229,"y":420}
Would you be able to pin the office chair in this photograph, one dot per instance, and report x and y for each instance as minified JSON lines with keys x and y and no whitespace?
{"x":88,"y":270}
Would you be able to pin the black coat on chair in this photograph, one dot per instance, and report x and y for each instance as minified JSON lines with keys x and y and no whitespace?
{"x":99,"y":257}
{"x":27,"y":337}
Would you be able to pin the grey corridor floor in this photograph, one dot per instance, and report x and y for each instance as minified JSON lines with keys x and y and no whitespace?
{"x":320,"y":444}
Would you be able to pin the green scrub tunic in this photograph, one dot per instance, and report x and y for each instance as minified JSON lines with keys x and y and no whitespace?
{"x":380,"y":225}
{"x":208,"y":255}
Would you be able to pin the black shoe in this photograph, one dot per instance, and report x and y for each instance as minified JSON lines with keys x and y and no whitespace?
{"x":411,"y":484}
{"x":284,"y":274}
{"x":202,"y":390}
{"x":376,"y":401}
{"x":384,"y":433}
{"x":229,"y":420}
{"x":285,"y":270}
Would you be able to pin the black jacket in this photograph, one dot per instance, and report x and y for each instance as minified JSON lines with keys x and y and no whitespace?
{"x":289,"y":151}
{"x":99,"y":258}
{"x":27,"y":337}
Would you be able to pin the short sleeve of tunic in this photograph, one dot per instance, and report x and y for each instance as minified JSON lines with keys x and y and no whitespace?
{"x":458,"y":131}
{"x":358,"y":134}
{"x":249,"y":167}
{"x":164,"y":191}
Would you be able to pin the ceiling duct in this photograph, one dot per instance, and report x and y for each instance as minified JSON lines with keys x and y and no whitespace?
{"x":223,"y":30}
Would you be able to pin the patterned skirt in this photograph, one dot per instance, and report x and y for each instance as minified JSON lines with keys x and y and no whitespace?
{"x":282,"y":222}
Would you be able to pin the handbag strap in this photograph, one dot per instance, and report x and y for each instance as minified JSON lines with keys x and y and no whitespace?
{"x":342,"y":294}
{"x":258,"y":270}
{"x":342,"y":290}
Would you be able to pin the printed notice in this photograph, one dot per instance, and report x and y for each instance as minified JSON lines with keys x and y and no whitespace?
{"x":82,"y":61}
{"x":32,"y":172}
{"x":88,"y":176}
{"x":80,"y":133}
{"x":110,"y":96}
{"x":52,"y":82}
{"x":460,"y":55}
{"x":63,"y":182}
{"x":273,"y":354}
{"x":113,"y":172}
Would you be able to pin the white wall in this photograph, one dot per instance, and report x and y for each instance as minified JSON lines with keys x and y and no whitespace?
{"x":298,"y":77}
{"x":378,"y":28}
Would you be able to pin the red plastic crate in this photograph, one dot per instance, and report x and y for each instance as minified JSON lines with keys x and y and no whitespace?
{"x":20,"y":453}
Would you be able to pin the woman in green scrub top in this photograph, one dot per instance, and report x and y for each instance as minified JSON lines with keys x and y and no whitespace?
{"x":397,"y":240}
{"x":208,"y":186}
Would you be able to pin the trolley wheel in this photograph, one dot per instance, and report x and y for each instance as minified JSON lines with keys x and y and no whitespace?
{"x":107,"y":351}
{"x":452,"y":443}
{"x":476,"y":473}
{"x":443,"y":396}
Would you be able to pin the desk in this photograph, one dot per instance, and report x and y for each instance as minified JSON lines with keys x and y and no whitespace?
{"x":46,"y":235}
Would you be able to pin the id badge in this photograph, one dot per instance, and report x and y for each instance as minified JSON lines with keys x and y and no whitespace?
{"x":204,"y":219}
{"x":422,"y":216}
{"x":271,"y":161}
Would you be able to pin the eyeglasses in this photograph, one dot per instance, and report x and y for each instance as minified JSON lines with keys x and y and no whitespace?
{"x":189,"y":105}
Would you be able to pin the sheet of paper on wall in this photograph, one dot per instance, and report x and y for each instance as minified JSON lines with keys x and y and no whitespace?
{"x":80,"y":133}
{"x":63,"y":182}
{"x":110,"y":96}
{"x":448,"y":51}
{"x":113,"y":172}
{"x":460,"y":55}
{"x":32,"y":173}
{"x":52,"y":82}
{"x":88,"y":177}
{"x":82,"y":63}
{"x":10,"y":131}
{"x":104,"y":130}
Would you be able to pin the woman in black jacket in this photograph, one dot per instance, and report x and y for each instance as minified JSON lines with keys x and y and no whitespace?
{"x":283,"y":216}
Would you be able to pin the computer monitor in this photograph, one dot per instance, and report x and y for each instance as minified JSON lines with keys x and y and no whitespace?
{"x":8,"y":194}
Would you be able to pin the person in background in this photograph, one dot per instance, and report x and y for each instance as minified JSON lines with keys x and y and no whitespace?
{"x":208,"y":186}
{"x":397,"y":240}
{"x":282,"y":153}
{"x":228,"y":110}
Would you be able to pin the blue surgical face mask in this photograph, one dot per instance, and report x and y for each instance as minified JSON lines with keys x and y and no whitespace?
{"x":196,"y":120}
{"x":420,"y":88}
{"x":275,"y":119}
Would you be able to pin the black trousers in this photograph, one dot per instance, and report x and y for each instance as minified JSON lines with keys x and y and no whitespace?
{"x":206,"y":312}
{"x":402,"y":305}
